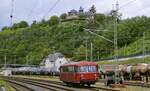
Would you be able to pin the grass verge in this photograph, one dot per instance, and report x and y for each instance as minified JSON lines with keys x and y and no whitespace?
{"x":5,"y":85}
{"x":130,"y":61}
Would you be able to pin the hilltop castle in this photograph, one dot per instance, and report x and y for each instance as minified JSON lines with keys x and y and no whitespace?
{"x":74,"y":14}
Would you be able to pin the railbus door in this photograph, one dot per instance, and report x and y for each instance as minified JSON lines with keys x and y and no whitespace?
{"x":71,"y":74}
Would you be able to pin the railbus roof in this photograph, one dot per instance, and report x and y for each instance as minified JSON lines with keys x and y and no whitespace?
{"x":81,"y":63}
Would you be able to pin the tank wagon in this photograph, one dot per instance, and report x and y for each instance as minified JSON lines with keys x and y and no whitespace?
{"x":33,"y":71}
{"x":79,"y":73}
{"x":136,"y":71}
{"x":111,"y":73}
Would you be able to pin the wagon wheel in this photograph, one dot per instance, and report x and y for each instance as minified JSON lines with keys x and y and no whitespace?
{"x":89,"y":84}
{"x":67,"y":83}
{"x":82,"y":84}
{"x":74,"y":84}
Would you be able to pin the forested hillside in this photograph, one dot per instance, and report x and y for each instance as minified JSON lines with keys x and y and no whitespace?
{"x":134,"y":36}
{"x":22,"y":42}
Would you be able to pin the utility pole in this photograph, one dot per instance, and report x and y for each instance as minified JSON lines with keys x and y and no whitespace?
{"x":91,"y":51}
{"x":86,"y":52}
{"x":15,"y":61}
{"x":5,"y":58}
{"x":98,"y":55}
{"x":143,"y":46}
{"x":27,"y":61}
{"x":115,"y":17}
{"x":124,"y":51}
{"x":136,"y":46}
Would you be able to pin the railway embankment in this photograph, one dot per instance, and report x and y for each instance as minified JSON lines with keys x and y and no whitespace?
{"x":127,"y":61}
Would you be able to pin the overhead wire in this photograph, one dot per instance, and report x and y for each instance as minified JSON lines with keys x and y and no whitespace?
{"x":130,"y":3}
{"x":144,"y":8}
{"x":53,"y":6}
{"x":123,"y":6}
{"x":11,"y":13}
{"x":32,"y":9}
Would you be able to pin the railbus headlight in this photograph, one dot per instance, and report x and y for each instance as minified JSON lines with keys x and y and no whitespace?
{"x":82,"y":77}
{"x":95,"y":75}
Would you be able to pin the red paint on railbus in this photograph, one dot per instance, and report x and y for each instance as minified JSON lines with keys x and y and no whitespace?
{"x":79,"y":73}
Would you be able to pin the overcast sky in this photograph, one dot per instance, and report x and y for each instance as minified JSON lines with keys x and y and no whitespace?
{"x":30,"y":10}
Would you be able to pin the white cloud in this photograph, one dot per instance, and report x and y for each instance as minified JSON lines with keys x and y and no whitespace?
{"x":30,"y":10}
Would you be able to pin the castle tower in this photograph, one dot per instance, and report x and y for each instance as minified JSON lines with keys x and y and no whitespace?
{"x":81,"y":10}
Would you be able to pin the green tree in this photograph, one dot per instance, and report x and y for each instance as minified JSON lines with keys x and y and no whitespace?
{"x":5,"y":28}
{"x":79,"y":53}
{"x":34,"y":24}
{"x":63,"y":16}
{"x":22,"y":24}
{"x":54,"y":20}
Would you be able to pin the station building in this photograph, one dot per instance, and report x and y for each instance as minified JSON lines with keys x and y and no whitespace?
{"x":54,"y":61}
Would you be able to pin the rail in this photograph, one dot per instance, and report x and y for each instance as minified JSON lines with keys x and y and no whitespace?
{"x":17,"y":86}
{"x":59,"y":85}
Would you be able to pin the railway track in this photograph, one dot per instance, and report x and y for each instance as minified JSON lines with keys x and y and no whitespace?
{"x":51,"y":86}
{"x":137,"y":84}
{"x":19,"y":86}
{"x":61,"y":83}
{"x":58,"y":86}
{"x":129,"y":83}
{"x":47,"y":87}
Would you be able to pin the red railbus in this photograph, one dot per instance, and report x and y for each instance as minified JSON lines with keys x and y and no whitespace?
{"x":79,"y":73}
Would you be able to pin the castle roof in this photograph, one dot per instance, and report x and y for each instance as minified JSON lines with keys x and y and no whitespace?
{"x":73,"y":11}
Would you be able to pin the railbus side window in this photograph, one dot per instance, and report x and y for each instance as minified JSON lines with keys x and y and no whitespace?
{"x":87,"y":69}
{"x":92,"y":68}
{"x":65,"y":69}
{"x":75,"y":69}
{"x":83,"y":69}
{"x":71,"y":69}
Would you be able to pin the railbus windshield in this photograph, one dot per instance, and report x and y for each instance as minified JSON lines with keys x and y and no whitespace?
{"x":80,"y":69}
